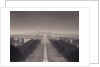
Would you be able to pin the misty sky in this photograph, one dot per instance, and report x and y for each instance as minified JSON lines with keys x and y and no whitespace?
{"x":45,"y":21}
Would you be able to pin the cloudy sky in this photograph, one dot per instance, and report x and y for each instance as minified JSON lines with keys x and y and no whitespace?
{"x":44,"y":21}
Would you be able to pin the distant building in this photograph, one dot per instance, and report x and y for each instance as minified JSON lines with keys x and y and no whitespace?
{"x":12,"y":41}
{"x":22,"y":41}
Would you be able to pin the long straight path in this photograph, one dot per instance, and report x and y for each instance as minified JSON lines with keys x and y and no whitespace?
{"x":45,"y":52}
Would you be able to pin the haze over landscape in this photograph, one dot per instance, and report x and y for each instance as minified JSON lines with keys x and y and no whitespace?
{"x":44,"y":21}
